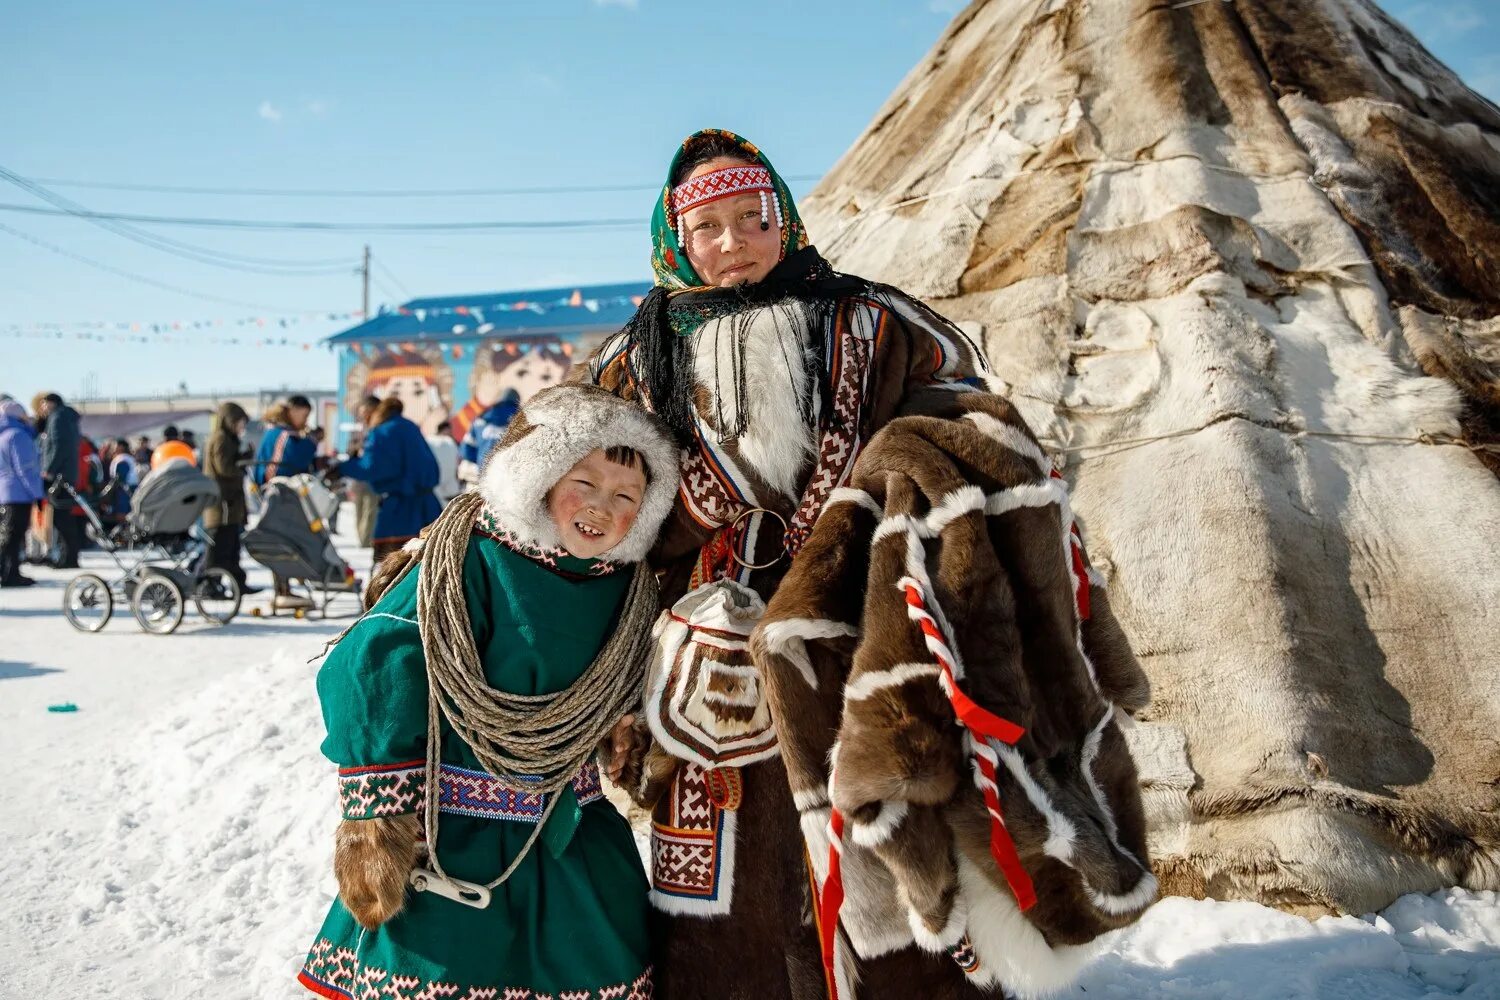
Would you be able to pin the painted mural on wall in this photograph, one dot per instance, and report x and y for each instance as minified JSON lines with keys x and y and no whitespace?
{"x":454,"y":381}
{"x":418,"y":375}
{"x":525,"y":364}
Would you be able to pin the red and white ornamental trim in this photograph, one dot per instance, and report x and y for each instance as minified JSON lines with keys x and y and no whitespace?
{"x":981,"y":728}
{"x":720,"y":184}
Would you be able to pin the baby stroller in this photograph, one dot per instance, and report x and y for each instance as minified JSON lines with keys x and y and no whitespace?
{"x":160,"y":552}
{"x":292,"y":536}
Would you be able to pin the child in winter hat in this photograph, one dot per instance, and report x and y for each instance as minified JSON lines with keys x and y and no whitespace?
{"x":476,"y":851}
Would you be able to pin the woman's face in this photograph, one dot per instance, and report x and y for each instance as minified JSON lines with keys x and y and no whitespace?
{"x":725,"y":243}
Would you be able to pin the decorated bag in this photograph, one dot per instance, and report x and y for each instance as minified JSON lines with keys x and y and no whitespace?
{"x":704,"y":702}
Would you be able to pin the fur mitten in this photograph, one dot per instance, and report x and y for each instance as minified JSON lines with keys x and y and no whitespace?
{"x":654,"y":769}
{"x":637,"y":739}
{"x":372,"y":860}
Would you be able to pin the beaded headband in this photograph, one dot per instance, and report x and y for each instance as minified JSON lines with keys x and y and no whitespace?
{"x":723,"y":184}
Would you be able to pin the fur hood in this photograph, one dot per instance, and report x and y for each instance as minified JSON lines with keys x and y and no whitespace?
{"x":555,"y":429}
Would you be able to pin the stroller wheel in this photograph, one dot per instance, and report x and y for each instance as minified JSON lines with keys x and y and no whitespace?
{"x":157,"y":604}
{"x":217,"y":595}
{"x":87,"y":603}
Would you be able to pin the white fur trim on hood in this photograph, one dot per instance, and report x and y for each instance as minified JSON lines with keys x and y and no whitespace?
{"x":553,"y":431}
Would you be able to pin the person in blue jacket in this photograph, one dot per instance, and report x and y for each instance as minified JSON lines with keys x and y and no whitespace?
{"x":402,"y":472}
{"x":484,"y":433}
{"x":20,"y":487}
{"x":284,"y":449}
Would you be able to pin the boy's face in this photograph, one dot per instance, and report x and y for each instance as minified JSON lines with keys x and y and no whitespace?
{"x":594,"y":504}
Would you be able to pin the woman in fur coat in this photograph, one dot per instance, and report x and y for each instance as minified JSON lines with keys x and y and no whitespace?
{"x":776,"y":372}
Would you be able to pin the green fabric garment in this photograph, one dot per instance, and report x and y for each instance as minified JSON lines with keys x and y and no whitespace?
{"x":669,"y":264}
{"x":572,"y":918}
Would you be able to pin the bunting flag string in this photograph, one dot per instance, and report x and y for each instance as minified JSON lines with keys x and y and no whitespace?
{"x":541,"y":307}
{"x":178,"y":326}
{"x":243,"y":331}
{"x":158,"y":338}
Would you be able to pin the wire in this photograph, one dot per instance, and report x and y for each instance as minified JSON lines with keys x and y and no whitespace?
{"x":145,"y":280}
{"x":72,"y":207}
{"x":385,"y":290}
{"x":372,"y":193}
{"x":357,"y":227}
{"x":198,"y":254}
{"x":391,"y":274}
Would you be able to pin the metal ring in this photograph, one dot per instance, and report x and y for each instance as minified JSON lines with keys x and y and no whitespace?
{"x":734,"y":525}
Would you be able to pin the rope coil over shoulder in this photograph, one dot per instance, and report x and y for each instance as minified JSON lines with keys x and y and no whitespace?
{"x":542,"y":738}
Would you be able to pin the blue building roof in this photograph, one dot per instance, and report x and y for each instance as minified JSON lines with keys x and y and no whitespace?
{"x":569,"y":310}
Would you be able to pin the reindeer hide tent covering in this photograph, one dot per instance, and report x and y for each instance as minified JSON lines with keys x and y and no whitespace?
{"x":1239,"y":264}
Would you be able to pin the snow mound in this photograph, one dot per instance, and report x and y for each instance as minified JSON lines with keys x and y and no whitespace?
{"x":1444,"y":944}
{"x":196,"y":860}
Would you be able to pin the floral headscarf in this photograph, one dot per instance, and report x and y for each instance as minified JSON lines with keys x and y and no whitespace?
{"x":669,"y":263}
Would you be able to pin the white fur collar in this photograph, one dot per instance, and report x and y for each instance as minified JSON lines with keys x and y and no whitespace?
{"x":555,"y":429}
{"x":776,"y":442}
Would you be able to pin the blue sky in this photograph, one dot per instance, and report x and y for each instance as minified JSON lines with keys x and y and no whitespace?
{"x":344,"y":95}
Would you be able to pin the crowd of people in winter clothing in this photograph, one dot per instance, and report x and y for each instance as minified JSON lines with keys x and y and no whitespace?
{"x":398,"y":478}
{"x":47,"y":463}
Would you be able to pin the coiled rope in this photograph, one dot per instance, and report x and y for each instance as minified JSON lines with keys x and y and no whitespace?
{"x":534,"y":741}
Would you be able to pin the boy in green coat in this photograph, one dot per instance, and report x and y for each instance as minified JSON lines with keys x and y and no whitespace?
{"x":535,"y":888}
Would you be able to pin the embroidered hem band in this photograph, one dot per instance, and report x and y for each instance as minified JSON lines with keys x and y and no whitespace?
{"x":393,"y":789}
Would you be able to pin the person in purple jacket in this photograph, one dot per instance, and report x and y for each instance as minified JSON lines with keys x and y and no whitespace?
{"x":20,"y":487}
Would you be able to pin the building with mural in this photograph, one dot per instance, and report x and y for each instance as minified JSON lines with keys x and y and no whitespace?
{"x":450,"y":358}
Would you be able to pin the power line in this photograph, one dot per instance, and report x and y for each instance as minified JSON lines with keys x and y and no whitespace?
{"x":369,"y":193}
{"x":392,"y":275}
{"x":189,"y":251}
{"x":157,"y":241}
{"x":350,"y":227}
{"x":142,"y":278}
{"x":391,"y":296}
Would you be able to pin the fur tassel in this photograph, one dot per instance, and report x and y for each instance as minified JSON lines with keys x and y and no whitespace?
{"x":945,"y":937}
{"x":372,"y":859}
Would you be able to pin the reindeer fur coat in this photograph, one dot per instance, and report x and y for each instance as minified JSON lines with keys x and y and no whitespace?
{"x":952,"y":562}
{"x":736,"y":886}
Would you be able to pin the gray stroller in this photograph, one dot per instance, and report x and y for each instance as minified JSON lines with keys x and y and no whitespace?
{"x":293,"y":537}
{"x":160,"y":552}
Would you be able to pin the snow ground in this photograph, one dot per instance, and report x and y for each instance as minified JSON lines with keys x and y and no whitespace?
{"x":173,"y":837}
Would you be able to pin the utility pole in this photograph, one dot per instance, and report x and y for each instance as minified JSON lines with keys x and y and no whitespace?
{"x":365,"y":275}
